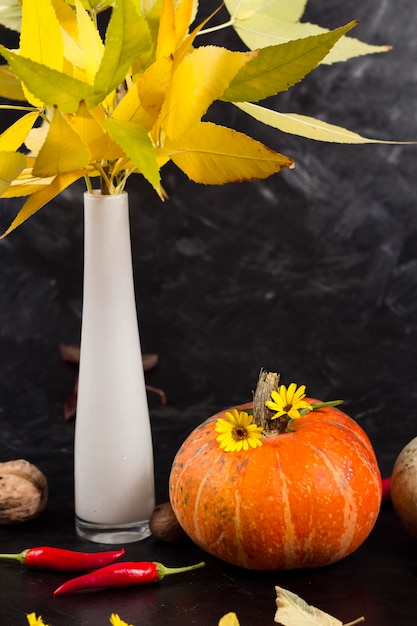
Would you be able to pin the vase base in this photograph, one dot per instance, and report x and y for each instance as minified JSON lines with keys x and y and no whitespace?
{"x":114,"y":534}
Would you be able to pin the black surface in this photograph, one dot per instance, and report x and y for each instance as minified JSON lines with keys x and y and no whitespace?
{"x":312,"y":273}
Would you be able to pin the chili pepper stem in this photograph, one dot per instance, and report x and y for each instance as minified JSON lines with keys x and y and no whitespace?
{"x":20,"y":557}
{"x":165,"y":571}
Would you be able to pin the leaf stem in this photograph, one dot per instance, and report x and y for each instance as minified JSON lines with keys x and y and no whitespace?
{"x":88,"y":184}
{"x":322,"y":405}
{"x":16,"y":107}
{"x":213,"y":29}
{"x":356,"y":621}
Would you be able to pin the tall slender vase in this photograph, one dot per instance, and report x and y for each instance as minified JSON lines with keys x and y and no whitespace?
{"x":113,"y":458}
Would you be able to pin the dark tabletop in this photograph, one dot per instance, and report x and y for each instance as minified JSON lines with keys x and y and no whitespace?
{"x":312,"y":273}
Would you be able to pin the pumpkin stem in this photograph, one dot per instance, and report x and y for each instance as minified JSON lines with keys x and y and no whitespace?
{"x":267,"y":382}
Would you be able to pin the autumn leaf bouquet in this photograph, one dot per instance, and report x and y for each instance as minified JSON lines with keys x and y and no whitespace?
{"x":104,"y":102}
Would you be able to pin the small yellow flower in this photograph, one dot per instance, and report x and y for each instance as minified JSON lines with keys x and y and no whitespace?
{"x":237,"y":432}
{"x":116,"y":621}
{"x":289,"y":402}
{"x":35,"y":621}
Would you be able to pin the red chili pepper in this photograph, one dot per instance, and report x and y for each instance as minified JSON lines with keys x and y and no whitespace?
{"x":123,"y":574}
{"x":61,"y":560}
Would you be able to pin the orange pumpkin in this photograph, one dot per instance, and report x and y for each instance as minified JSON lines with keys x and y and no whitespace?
{"x":305,"y":498}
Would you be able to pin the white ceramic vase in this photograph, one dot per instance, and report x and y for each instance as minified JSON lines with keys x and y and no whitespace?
{"x":113,"y":456}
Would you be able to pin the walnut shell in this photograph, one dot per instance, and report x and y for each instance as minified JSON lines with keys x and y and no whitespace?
{"x":164,"y":524}
{"x":23,"y":491}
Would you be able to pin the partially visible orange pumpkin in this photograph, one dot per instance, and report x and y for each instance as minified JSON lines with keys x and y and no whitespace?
{"x":305,"y":498}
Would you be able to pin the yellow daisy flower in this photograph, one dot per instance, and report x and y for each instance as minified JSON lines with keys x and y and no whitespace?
{"x":289,"y":402}
{"x":35,"y":621}
{"x":237,"y":431}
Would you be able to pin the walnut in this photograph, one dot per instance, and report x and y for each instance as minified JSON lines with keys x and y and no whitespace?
{"x":23,"y":491}
{"x":164,"y":524}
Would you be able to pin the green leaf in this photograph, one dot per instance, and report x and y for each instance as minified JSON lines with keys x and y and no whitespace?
{"x":11,"y":164}
{"x":262,"y":24}
{"x":151,"y":11}
{"x":304,"y":126}
{"x":53,"y":88}
{"x":127,"y":37}
{"x":276,"y":68}
{"x":214,"y":155}
{"x":136,"y":144}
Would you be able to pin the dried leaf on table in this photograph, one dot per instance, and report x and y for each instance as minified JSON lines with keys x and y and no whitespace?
{"x":294,"y":611}
{"x":70,"y":353}
{"x":230,"y":619}
{"x":149,"y":361}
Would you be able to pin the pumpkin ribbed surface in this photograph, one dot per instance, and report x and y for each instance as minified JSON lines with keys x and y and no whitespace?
{"x":305,"y":498}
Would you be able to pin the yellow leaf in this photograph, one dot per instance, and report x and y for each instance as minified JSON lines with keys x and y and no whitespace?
{"x":265,"y":26}
{"x":166,"y":34}
{"x":153,"y":84}
{"x":230,"y":619}
{"x":184,"y":12}
{"x":305,"y":126}
{"x":74,"y":56}
{"x":18,"y":190}
{"x":40,"y":37}
{"x":94,"y":136}
{"x":214,"y":155}
{"x":66,"y":17}
{"x":11,"y":164}
{"x":185,"y":47}
{"x":37,"y":200}
{"x":16,"y":134}
{"x":63,"y":150}
{"x":130,"y":109}
{"x":90,"y":42}
{"x":142,"y":103}
{"x":199,"y":79}
{"x":10,"y":85}
{"x":280,"y":9}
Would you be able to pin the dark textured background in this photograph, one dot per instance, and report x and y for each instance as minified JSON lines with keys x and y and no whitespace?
{"x":312,"y":273}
